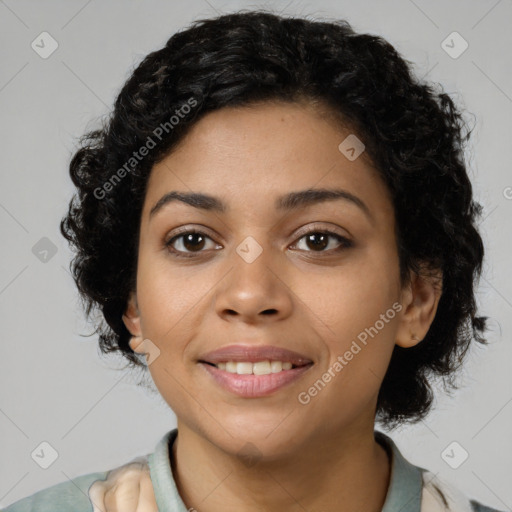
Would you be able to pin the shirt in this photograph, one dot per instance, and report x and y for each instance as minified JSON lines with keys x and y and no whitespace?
{"x":411,"y":488}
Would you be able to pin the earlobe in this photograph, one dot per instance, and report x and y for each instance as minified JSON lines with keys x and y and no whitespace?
{"x":420,"y":306}
{"x":131,"y":319}
{"x":136,"y":344}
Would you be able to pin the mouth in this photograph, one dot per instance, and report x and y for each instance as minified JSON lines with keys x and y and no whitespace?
{"x":265,"y":367}
{"x":254,"y":384}
{"x":252,"y":371}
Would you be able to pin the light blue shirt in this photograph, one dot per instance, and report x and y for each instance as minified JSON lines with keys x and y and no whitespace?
{"x":404,"y":491}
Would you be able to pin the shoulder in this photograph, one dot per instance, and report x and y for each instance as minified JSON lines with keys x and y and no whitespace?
{"x":429,"y":493}
{"x":439,"y":496}
{"x":78,"y":494}
{"x":69,"y":495}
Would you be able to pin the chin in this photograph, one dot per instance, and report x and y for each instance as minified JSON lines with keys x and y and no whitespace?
{"x":270,"y":438}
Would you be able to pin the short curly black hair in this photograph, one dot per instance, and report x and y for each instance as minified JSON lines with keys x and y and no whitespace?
{"x":412,"y":130}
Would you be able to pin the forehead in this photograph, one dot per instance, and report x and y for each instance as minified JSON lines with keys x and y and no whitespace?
{"x":249,"y":157}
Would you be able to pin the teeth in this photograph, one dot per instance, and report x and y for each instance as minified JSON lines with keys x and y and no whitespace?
{"x":261,"y":368}
{"x":258,"y":368}
{"x":231,"y":367}
{"x":276,"y":366}
{"x":244,"y":368}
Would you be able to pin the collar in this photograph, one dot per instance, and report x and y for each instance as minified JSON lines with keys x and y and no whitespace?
{"x":164,"y":486}
{"x":406,"y":481}
{"x":404,"y":491}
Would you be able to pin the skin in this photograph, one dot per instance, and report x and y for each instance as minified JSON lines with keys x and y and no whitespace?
{"x":319,"y":456}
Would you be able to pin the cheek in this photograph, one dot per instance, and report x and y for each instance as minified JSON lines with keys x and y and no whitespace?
{"x":352,"y":297}
{"x":355,"y":311}
{"x":167,"y":294}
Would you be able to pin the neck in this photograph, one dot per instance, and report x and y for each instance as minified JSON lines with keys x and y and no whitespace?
{"x":348,"y":471}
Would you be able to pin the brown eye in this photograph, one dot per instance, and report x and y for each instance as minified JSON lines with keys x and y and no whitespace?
{"x":188,"y":243}
{"x":193,"y":241}
{"x":318,"y":241}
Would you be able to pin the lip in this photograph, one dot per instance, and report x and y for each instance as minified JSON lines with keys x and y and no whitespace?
{"x":253,"y":354}
{"x":254,"y":386}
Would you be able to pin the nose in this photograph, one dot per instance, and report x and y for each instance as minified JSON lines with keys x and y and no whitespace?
{"x":254,"y":291}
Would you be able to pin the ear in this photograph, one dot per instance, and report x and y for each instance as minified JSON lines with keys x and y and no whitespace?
{"x":131,"y":319}
{"x":420,"y":300}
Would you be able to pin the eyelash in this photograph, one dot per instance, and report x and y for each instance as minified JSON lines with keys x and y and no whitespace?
{"x":345,"y":242}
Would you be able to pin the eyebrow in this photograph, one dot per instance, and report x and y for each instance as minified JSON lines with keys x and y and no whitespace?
{"x":289,"y":202}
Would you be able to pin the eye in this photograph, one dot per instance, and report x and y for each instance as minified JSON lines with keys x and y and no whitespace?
{"x":192,"y":241}
{"x":189,"y":242}
{"x":319,"y":240}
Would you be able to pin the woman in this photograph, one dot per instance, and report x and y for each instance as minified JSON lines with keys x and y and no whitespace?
{"x":278,"y":218}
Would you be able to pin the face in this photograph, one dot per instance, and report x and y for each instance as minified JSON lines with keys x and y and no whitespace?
{"x":318,"y":277}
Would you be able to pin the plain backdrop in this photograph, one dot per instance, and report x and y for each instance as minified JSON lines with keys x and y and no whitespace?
{"x":55,"y":386}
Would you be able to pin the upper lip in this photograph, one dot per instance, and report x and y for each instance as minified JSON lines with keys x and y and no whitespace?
{"x":253,"y":354}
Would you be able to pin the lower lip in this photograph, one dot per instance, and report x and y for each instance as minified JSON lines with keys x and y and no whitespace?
{"x":253,"y":386}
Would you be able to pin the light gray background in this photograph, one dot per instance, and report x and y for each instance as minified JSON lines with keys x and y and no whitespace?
{"x":55,"y":387}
